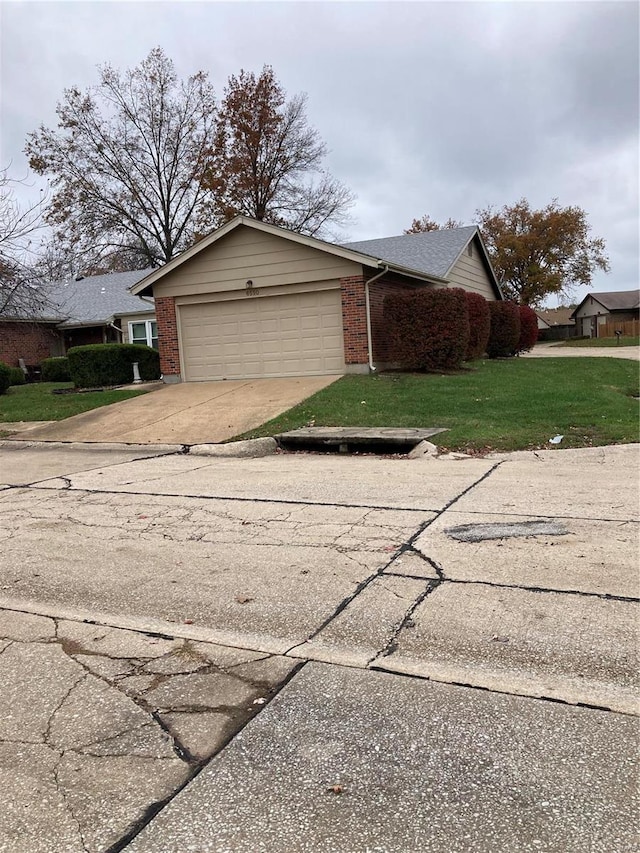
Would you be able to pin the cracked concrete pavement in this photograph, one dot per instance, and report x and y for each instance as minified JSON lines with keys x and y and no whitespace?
{"x":293,"y":652}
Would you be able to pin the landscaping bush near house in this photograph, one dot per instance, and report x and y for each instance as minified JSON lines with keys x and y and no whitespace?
{"x":528,"y":328}
{"x":5,"y":377}
{"x":479,"y":325}
{"x":428,"y":329}
{"x":17,"y":376}
{"x":96,"y":365}
{"x":55,"y":369}
{"x":505,"y":329}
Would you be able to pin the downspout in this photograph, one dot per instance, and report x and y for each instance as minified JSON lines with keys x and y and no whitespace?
{"x":367,"y":303}
{"x":117,"y":328}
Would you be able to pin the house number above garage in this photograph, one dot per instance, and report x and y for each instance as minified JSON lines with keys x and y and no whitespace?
{"x":250,"y":290}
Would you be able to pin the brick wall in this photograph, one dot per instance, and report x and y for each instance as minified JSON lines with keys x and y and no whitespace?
{"x":31,"y":341}
{"x":354,"y":320}
{"x":167,"y":335}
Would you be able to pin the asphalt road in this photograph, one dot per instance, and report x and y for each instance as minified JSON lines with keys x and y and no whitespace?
{"x":317,"y":653}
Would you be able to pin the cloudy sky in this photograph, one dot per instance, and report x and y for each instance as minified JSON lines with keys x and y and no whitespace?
{"x":426,"y":107}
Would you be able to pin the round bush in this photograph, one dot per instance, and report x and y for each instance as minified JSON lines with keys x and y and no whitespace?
{"x":97,"y":365}
{"x":505,"y":329}
{"x":427,"y":329}
{"x":528,"y":328}
{"x":55,"y":370}
{"x":17,"y":376}
{"x":479,"y":325}
{"x":5,"y":377}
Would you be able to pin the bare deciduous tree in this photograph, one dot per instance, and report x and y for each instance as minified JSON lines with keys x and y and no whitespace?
{"x":126,"y":161}
{"x":425,"y":223}
{"x":21,"y":292}
{"x":267,"y":161}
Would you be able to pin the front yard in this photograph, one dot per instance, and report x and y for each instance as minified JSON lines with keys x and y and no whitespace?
{"x":35,"y":402}
{"x":501,"y":405}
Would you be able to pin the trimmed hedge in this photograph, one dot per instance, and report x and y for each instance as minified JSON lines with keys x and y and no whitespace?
{"x":5,"y":377}
{"x":479,"y":325}
{"x":55,"y":369}
{"x":428,"y":329}
{"x":528,"y":328}
{"x":505,"y":329}
{"x":17,"y":376}
{"x":97,"y":365}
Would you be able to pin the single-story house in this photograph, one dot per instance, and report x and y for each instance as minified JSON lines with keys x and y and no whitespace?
{"x":256,"y":300}
{"x":555,"y":324}
{"x":599,"y":309}
{"x":91,"y":310}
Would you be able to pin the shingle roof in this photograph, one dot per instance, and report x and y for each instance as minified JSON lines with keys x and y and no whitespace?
{"x":557,"y":316}
{"x":96,"y":299}
{"x":432,"y":252}
{"x":619,"y":300}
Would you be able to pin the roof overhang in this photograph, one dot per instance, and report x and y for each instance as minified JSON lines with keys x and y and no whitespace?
{"x":145,"y":286}
{"x":86,"y":324}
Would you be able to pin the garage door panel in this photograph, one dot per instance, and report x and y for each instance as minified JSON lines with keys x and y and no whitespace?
{"x":294,"y":335}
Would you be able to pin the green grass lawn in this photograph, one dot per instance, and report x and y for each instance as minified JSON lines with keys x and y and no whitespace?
{"x":35,"y":402}
{"x":493,"y":405}
{"x":604,"y":342}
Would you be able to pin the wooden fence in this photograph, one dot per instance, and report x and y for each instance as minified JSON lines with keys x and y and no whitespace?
{"x":629,"y":328}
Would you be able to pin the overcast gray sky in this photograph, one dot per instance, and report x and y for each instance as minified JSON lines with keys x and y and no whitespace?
{"x":426,"y":107}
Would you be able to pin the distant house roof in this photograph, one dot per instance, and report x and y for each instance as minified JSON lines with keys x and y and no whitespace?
{"x":427,"y":256}
{"x":91,"y":301}
{"x":615,"y":300}
{"x":431,"y":252}
{"x":557,"y":316}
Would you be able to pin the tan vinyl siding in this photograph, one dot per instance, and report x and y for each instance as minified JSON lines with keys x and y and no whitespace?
{"x":247,"y":254}
{"x":470,"y":273}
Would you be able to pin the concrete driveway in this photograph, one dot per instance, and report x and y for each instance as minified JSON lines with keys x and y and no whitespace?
{"x":188,"y":413}
{"x":310,"y":652}
{"x":556,"y":350}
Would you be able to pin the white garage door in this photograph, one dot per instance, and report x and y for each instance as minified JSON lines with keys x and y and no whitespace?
{"x":263,"y":336}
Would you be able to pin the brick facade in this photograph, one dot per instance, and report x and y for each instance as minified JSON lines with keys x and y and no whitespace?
{"x":168,"y":335}
{"x":354,"y":317}
{"x":354,"y":320}
{"x":31,"y":341}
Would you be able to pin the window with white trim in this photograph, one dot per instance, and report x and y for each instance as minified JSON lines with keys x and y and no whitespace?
{"x":144,"y":332}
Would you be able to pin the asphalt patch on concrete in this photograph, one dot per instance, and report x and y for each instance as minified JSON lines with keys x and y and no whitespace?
{"x":483,"y":532}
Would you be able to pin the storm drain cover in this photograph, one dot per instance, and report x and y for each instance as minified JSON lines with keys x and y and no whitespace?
{"x":481,"y":532}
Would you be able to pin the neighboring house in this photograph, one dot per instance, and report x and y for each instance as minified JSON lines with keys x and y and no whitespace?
{"x":255,"y":300}
{"x":92,"y":310}
{"x":555,"y":324}
{"x":599,"y":309}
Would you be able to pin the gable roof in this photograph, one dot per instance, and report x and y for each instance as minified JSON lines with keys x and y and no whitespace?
{"x":556,"y":316}
{"x":91,"y":301}
{"x":428,"y":259}
{"x":615,"y":300}
{"x":433,"y":252}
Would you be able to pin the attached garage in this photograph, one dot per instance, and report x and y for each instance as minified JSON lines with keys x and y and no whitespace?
{"x":297,"y":334}
{"x":255,"y":300}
